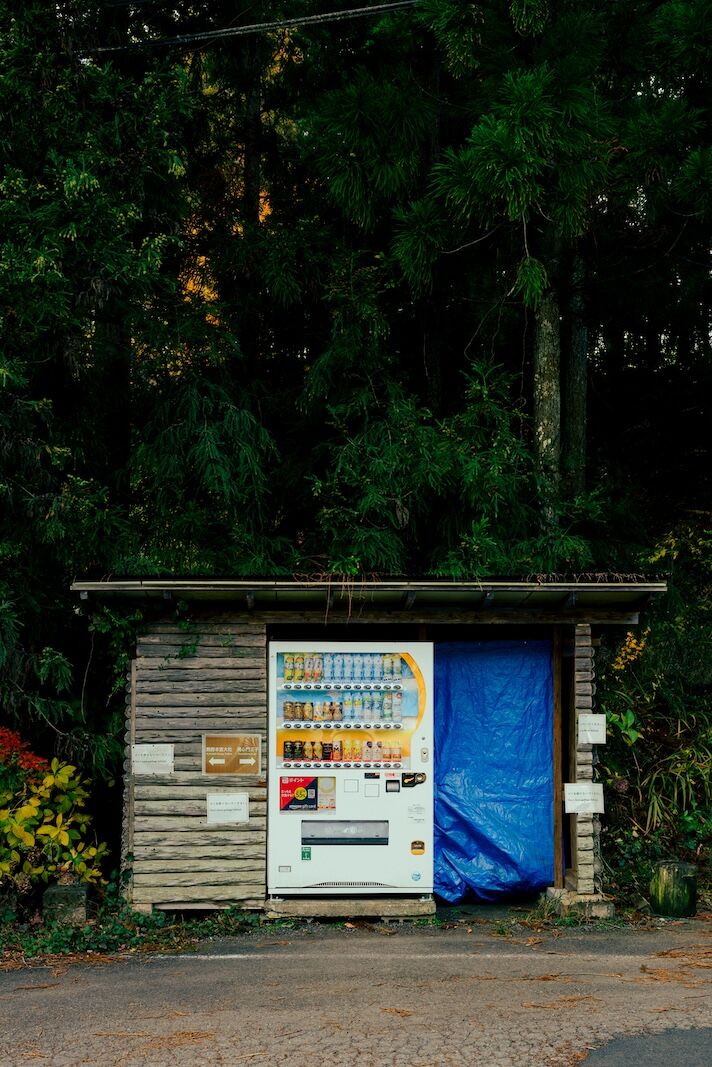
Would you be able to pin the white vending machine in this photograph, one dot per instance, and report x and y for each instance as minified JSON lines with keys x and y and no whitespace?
{"x":350,"y":769}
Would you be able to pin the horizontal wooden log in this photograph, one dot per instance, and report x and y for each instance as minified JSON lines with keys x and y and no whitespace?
{"x":245,"y":682}
{"x":247,"y":905}
{"x":191,"y":823}
{"x":183,"y":654}
{"x":155,"y":666}
{"x":198,"y":845}
{"x":245,"y":861}
{"x":189,"y":699}
{"x":186,"y":807}
{"x":188,"y":745}
{"x":245,"y":637}
{"x":249,"y":871}
{"x":175,"y":896}
{"x":184,"y":778}
{"x":216,"y":784}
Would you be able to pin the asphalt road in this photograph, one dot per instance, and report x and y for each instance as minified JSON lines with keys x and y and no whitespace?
{"x":377,"y":996}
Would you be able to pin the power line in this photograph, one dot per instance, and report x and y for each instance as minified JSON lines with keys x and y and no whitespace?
{"x":259,"y":27}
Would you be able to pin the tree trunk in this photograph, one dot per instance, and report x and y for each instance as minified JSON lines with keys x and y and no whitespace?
{"x":547,"y":398}
{"x":575,"y":386}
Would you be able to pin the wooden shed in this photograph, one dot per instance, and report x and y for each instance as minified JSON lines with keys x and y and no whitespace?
{"x":200,"y":670}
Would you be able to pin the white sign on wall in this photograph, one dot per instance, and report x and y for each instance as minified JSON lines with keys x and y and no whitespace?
{"x":228,"y":808}
{"x":152,"y":759}
{"x":591,"y":729}
{"x":583,"y":797}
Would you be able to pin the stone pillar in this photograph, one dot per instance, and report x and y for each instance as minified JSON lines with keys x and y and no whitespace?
{"x":585,"y":875}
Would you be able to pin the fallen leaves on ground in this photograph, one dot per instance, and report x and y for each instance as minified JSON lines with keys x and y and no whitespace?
{"x":561,"y":1002}
{"x":402,"y":1012}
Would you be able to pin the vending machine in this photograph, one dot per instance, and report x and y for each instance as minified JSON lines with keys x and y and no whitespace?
{"x":350,"y":769}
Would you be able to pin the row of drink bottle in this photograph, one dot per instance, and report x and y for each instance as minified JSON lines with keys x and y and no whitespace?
{"x":349,"y":751}
{"x":363,"y":707}
{"x":342,"y":666}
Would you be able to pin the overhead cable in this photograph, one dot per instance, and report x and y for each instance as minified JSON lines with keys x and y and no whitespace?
{"x":259,"y":27}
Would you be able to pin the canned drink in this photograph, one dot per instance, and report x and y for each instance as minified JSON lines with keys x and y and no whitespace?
{"x":397,"y":751}
{"x":397,"y":706}
{"x":298,"y":710}
{"x":387,"y":666}
{"x":288,"y":667}
{"x":299,"y":668}
{"x":326,"y":750}
{"x":287,"y":750}
{"x":357,"y":670}
{"x":338,"y":666}
{"x":378,"y":751}
{"x":348,"y":666}
{"x":356,"y":749}
{"x":387,"y":706}
{"x":368,"y":750}
{"x":347,"y":751}
{"x":336,"y":750}
{"x":317,"y":749}
{"x":376,"y":666}
{"x":397,"y":666}
{"x":348,"y":706}
{"x":308,"y":710}
{"x":337,"y":712}
{"x":358,"y":707}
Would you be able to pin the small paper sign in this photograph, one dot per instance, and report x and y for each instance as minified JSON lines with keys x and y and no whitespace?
{"x":152,"y":759}
{"x":591,"y":729}
{"x":583,"y":797}
{"x":228,"y":808}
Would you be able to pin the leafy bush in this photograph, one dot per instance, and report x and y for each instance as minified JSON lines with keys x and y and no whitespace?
{"x":43,"y":825}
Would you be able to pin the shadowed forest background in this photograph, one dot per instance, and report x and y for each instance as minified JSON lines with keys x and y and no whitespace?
{"x":421,"y":293}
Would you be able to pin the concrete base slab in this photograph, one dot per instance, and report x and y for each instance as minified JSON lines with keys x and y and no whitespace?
{"x":349,"y":908}
{"x":587,"y":905}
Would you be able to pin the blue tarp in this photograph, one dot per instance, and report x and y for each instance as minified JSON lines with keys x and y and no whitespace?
{"x":493,"y":768}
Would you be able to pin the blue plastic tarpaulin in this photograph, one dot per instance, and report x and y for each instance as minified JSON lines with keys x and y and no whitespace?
{"x":493,"y":768}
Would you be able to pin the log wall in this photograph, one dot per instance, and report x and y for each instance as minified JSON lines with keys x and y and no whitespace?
{"x":185,"y":682}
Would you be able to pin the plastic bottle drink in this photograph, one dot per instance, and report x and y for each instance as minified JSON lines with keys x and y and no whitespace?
{"x":387,"y":706}
{"x":337,"y":711}
{"x":397,"y":664}
{"x":366,"y":667}
{"x":309,"y":667}
{"x":338,"y":667}
{"x":316,"y":749}
{"x":318,"y":667}
{"x":288,"y":667}
{"x":367,"y":707}
{"x":357,"y":712}
{"x":356,"y":750}
{"x":348,"y":667}
{"x":376,"y":666}
{"x":387,"y":667}
{"x":327,"y":666}
{"x":397,"y":707}
{"x":377,"y":701}
{"x":357,"y":671}
{"x":307,"y":750}
{"x":348,"y":706}
{"x":298,"y":668}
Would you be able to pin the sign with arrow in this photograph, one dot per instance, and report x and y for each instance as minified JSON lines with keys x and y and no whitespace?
{"x":232,"y":754}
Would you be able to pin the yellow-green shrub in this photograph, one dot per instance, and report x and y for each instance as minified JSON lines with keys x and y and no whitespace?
{"x":44,"y":828}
